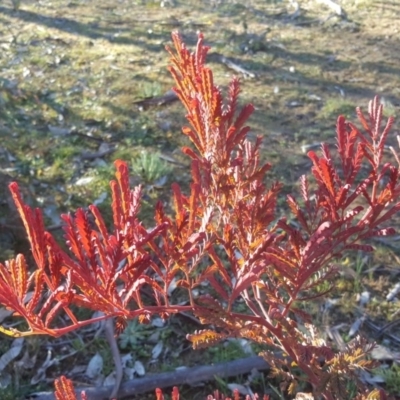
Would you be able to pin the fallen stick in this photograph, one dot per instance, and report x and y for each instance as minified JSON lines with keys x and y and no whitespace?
{"x":336,"y":8}
{"x":237,"y":68}
{"x":187,"y":376}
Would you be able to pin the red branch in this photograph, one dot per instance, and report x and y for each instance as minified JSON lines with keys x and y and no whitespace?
{"x":224,"y":233}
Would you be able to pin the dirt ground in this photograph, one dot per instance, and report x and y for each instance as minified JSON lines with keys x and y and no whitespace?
{"x":82,"y":84}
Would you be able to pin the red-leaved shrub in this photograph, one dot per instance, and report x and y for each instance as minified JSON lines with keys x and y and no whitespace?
{"x":225,"y":232}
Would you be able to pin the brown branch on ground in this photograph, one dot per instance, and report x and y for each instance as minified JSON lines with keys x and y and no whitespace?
{"x":188,"y":376}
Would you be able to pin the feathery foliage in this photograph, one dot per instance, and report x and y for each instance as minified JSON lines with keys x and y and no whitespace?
{"x":225,"y":233}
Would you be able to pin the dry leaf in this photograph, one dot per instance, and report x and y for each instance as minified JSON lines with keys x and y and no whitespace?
{"x":356,"y":326}
{"x":95,"y":366}
{"x":393,"y":292}
{"x":12,"y":353}
{"x":139,"y":368}
{"x":157,"y":350}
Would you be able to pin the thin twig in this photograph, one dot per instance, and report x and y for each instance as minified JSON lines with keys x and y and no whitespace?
{"x":109,"y":331}
{"x":388,"y":325}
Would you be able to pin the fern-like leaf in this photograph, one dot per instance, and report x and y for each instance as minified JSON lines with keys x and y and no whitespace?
{"x":65,"y":390}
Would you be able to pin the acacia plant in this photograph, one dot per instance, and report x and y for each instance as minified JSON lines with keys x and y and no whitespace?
{"x":225,"y":233}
